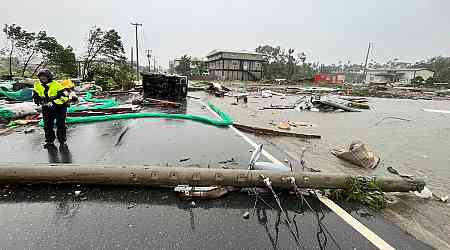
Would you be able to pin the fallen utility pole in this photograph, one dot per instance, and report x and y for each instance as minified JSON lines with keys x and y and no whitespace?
{"x":172,"y":176}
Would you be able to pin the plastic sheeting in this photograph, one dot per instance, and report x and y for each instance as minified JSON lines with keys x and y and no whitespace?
{"x":5,"y":113}
{"x":105,"y":103}
{"x":25,"y":94}
{"x":17,"y":110}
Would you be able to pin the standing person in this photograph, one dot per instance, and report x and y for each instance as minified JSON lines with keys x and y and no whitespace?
{"x":50,"y":95}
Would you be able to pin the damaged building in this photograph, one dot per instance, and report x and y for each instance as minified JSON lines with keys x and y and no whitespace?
{"x":235,"y":65}
{"x":384,"y":76}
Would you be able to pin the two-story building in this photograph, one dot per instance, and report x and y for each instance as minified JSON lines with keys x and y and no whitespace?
{"x":235,"y":65}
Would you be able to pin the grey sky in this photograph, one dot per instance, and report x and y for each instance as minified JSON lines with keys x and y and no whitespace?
{"x":326,"y":30}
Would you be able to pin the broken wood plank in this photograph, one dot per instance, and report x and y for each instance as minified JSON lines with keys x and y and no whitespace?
{"x":279,"y":107}
{"x":271,"y":132}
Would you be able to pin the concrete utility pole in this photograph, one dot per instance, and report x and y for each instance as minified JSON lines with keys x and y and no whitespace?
{"x":154,"y":64}
{"x":132,"y":58}
{"x":149,"y":55}
{"x":24,"y":173}
{"x":137,"y":49}
{"x":365,"y":64}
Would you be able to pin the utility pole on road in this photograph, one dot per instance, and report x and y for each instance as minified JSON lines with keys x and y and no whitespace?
{"x":137,"y":49}
{"x":154,"y":64}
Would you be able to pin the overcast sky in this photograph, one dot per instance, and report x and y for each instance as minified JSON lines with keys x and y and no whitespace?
{"x":326,"y":30}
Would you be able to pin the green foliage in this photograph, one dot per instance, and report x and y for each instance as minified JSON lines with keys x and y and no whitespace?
{"x":430,"y":80}
{"x":418,"y":80}
{"x":184,"y":66}
{"x":21,"y":43}
{"x":441,"y":67}
{"x":102,"y":45}
{"x":282,"y":64}
{"x":29,"y":47}
{"x":362,"y":191}
{"x":199,"y":68}
{"x":110,"y":76}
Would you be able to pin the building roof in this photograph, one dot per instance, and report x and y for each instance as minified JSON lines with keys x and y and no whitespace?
{"x":414,"y":69}
{"x":217,"y":51}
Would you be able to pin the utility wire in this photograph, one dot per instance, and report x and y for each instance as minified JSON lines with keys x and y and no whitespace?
{"x":269,"y":185}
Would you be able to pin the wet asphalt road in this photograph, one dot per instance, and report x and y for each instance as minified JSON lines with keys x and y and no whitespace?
{"x":50,"y":217}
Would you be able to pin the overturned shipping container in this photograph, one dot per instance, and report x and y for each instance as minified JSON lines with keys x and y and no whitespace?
{"x":170,"y":87}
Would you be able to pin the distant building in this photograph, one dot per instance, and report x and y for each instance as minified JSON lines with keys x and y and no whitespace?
{"x":384,"y":76}
{"x":330,"y":78}
{"x":235,"y":65}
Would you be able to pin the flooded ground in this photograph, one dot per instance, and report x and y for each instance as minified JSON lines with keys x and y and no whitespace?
{"x":55,"y":217}
{"x":419,"y":147}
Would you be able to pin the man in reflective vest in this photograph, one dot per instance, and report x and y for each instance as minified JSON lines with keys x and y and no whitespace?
{"x":50,"y":95}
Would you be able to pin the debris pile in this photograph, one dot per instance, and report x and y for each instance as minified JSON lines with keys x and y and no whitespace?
{"x":358,"y":154}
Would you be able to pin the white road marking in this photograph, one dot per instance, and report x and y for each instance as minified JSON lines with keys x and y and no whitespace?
{"x":358,"y":226}
{"x":437,"y":111}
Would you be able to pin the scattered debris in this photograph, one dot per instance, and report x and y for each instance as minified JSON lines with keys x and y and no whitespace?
{"x":442,"y":199}
{"x":269,"y":93}
{"x":6,"y":131}
{"x":284,"y":125}
{"x":394,"y":171}
{"x":232,"y":160}
{"x":131,"y":205}
{"x":246,"y":215}
{"x":29,"y":130}
{"x":185,"y":159}
{"x":391,"y":117}
{"x":329,"y":104}
{"x":424,"y":194}
{"x":155,"y":102}
{"x":255,"y":165}
{"x":358,"y":105}
{"x":271,"y":132}
{"x":194,"y":97}
{"x":187,"y":192}
{"x":359,"y":155}
{"x":279,"y":107}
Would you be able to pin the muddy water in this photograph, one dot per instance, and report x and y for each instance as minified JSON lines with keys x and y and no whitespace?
{"x":420,"y":147}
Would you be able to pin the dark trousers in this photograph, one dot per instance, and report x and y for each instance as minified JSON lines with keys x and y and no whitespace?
{"x":57,"y":113}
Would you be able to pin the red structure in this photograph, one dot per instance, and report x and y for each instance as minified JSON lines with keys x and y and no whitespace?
{"x":330,"y":78}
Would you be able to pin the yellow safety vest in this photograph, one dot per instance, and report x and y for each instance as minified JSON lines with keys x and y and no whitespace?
{"x":54,"y":93}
